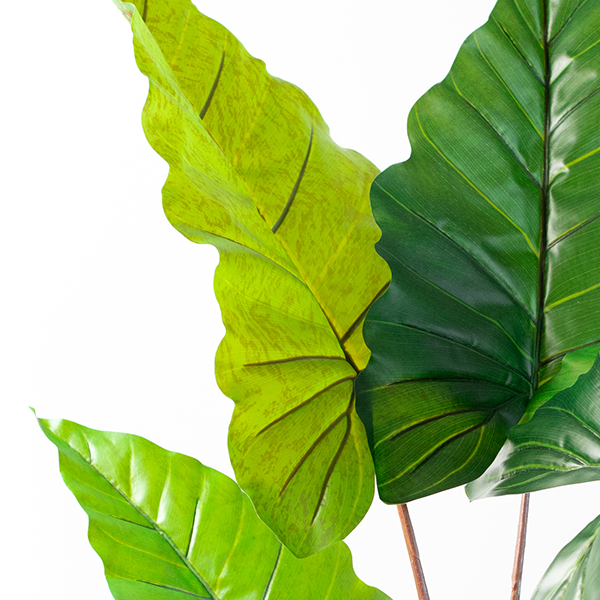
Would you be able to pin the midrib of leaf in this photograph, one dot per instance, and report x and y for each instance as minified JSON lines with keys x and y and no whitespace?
{"x":543,"y":258}
{"x":154,"y":525}
{"x":269,"y":585}
{"x":545,"y":245}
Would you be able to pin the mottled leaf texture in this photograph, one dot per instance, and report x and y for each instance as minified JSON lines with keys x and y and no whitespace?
{"x":254,"y":172}
{"x":575,"y":572}
{"x":169,"y":528}
{"x":492,"y":233}
{"x":560,"y":445}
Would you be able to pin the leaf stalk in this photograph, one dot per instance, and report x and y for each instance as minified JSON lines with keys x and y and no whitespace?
{"x":517,"y":574}
{"x":413,"y":552}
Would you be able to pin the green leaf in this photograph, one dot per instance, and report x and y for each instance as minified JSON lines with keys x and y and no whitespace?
{"x":254,"y":172}
{"x":491,"y":230}
{"x":571,"y":367}
{"x":560,"y":445}
{"x":575,"y":572}
{"x":169,"y":528}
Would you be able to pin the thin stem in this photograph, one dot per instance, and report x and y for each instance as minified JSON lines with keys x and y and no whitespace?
{"x":517,"y":574}
{"x":413,"y":552}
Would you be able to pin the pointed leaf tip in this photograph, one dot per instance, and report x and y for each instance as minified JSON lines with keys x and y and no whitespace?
{"x":126,"y":8}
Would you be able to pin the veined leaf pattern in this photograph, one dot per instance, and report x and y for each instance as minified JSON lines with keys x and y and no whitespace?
{"x":254,"y":172}
{"x":575,"y":572}
{"x":491,"y":230}
{"x":169,"y":528}
{"x":559,"y":445}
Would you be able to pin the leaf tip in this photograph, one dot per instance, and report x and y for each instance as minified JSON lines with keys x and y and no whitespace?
{"x":127,"y":9}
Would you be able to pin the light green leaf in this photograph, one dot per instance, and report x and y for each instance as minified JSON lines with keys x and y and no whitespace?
{"x":169,"y":528}
{"x":560,"y":445}
{"x":254,"y":172}
{"x":492,"y":233}
{"x":575,"y":572}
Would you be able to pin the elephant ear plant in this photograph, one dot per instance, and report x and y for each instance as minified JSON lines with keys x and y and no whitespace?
{"x":484,"y":367}
{"x":254,"y":172}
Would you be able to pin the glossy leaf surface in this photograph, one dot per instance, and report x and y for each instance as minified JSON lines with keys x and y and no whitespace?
{"x":491,"y":230}
{"x":575,"y":572}
{"x":254,"y":172}
{"x":571,"y":367}
{"x":560,"y":445}
{"x":169,"y":528}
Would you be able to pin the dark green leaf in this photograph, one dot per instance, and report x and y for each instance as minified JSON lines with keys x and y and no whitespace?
{"x":169,"y":528}
{"x":560,"y":445}
{"x":491,"y":229}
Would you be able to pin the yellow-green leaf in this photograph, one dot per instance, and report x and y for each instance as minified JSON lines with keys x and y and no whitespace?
{"x":254,"y":172}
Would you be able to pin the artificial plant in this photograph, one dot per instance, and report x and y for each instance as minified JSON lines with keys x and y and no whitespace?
{"x":491,"y":318}
{"x":495,"y":260}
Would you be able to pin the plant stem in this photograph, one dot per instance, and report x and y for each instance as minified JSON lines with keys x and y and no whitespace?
{"x":413,"y":552}
{"x":517,"y":574}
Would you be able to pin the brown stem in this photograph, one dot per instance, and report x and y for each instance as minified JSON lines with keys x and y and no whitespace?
{"x":520,"y":549}
{"x":413,"y":552}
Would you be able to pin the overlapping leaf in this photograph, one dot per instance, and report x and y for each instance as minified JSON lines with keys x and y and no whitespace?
{"x":169,"y":528}
{"x":491,"y":230}
{"x":560,"y":445}
{"x":254,"y":172}
{"x":575,"y":572}
{"x":571,"y":367}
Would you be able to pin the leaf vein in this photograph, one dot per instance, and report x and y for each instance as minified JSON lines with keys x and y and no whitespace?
{"x":509,"y":292}
{"x":475,"y":188}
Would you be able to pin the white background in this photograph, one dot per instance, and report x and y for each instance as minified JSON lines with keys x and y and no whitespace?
{"x":108,"y":316}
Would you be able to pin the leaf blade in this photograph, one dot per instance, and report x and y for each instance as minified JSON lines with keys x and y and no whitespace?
{"x":559,"y":445}
{"x":167,"y":527}
{"x":482,"y":294}
{"x":254,"y":172}
{"x":566,"y":576}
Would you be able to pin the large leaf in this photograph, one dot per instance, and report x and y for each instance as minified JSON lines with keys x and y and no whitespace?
{"x":169,"y":528}
{"x":575,"y":572}
{"x":491,"y":230}
{"x":560,"y":445}
{"x":254,"y":172}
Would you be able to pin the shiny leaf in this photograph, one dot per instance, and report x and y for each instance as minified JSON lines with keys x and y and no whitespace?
{"x":575,"y":572}
{"x":169,"y":528}
{"x":571,"y":367}
{"x":560,"y":445}
{"x":254,"y":172}
{"x":491,"y":230}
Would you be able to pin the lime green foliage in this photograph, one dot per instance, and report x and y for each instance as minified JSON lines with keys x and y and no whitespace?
{"x":575,"y":572}
{"x":491,"y":230}
{"x":560,"y":445}
{"x":169,"y":528}
{"x":254,"y":172}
